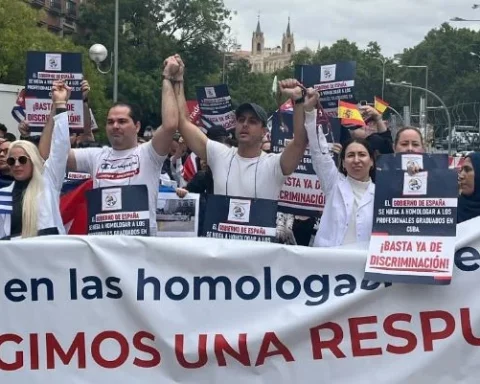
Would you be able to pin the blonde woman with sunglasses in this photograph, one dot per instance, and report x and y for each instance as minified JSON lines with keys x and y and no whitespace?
{"x":30,"y":205}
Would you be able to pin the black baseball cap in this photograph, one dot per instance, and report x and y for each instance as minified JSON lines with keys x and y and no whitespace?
{"x":256,"y":109}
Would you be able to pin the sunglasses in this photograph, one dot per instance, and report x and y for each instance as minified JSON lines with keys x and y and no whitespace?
{"x":22,"y":160}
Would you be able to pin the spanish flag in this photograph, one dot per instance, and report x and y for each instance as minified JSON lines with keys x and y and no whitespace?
{"x":380,"y":105}
{"x":349,"y":114}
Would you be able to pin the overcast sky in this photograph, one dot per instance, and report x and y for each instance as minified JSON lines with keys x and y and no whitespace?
{"x":394,"y":24}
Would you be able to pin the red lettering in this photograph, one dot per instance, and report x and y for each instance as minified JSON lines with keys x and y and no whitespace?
{"x":54,"y":348}
{"x":467,"y":328}
{"x":388,"y":326}
{"x":124,"y":349}
{"x":202,"y":352}
{"x":281,"y":349}
{"x":428,"y":334}
{"x":18,"y":363}
{"x":34,"y":356}
{"x":332,"y":344}
{"x":356,"y":336}
{"x":221,"y":345}
{"x":148,"y":349}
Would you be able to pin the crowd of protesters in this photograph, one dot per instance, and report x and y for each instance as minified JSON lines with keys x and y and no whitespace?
{"x":237,"y":163}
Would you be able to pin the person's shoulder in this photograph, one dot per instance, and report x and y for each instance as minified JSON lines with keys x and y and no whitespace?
{"x":220,"y":148}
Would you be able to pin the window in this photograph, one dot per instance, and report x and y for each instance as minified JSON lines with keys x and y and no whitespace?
{"x":259,"y":47}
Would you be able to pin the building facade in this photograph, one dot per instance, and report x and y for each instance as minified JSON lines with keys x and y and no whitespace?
{"x":60,"y":15}
{"x":268,"y":60}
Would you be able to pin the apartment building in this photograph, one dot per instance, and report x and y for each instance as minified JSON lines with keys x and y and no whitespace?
{"x":60,"y":15}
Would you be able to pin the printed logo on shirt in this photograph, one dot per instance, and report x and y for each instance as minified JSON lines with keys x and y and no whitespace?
{"x":78,"y":175}
{"x":123,"y":168}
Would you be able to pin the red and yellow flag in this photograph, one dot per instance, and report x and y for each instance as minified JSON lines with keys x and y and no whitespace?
{"x":380,"y":105}
{"x":349,"y":114}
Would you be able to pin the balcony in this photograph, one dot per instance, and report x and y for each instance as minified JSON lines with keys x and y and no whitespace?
{"x":69,"y":26}
{"x":71,"y":10}
{"x":55,"y":6}
{"x":38,"y":3}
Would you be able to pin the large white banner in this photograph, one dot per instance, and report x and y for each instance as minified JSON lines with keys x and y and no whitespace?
{"x":150,"y":310}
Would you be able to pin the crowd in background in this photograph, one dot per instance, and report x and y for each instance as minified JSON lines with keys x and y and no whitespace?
{"x":236,"y":163}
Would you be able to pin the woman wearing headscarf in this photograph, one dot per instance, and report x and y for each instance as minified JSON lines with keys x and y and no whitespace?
{"x":469,"y":186}
{"x":30,"y":205}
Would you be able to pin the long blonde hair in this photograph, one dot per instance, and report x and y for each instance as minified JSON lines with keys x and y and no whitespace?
{"x":34,"y":189}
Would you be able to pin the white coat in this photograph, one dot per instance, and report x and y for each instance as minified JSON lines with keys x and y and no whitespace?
{"x":338,"y":193}
{"x":53,"y":175}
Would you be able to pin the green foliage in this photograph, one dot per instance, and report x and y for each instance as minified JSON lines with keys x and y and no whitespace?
{"x":150,"y":31}
{"x":19,"y":33}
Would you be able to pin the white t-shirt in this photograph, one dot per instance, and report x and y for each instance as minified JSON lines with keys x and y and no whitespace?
{"x":241,"y":178}
{"x":137,"y":166}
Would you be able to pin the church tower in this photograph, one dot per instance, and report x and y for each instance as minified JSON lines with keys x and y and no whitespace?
{"x":288,"y":42}
{"x":258,"y":40}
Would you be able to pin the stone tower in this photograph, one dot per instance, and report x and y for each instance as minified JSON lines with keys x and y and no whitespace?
{"x":258,"y":40}
{"x":288,"y":42}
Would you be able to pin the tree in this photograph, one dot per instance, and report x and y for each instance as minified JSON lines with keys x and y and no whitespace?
{"x":152,"y":30}
{"x":246,"y":86}
{"x":19,"y":33}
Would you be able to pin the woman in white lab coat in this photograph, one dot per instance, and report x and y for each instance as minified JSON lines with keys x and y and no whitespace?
{"x":348,"y":214}
{"x":30,"y":205}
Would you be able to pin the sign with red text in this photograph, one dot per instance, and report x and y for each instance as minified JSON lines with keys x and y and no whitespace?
{"x":215,"y":104}
{"x":42,"y":69}
{"x":334,"y":82}
{"x":414,"y":227}
{"x":118,"y":211}
{"x":240,"y":218}
{"x":125,"y":310}
{"x":301,"y":194}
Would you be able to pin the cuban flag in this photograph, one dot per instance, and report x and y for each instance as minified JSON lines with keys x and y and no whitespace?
{"x":6,"y":202}
{"x":73,"y":208}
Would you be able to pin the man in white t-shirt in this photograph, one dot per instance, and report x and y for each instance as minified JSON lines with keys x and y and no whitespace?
{"x":127,"y":162}
{"x":247,"y":171}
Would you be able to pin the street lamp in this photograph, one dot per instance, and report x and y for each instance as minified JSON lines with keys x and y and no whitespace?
{"x":426,"y":84}
{"x":410,"y":86}
{"x":384,"y":61}
{"x":441,"y":102}
{"x":98,"y":53}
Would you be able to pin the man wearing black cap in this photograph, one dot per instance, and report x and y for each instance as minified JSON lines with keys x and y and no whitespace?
{"x":247,"y":171}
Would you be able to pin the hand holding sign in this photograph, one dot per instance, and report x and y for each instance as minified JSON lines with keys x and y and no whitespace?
{"x":291,"y":88}
{"x":60,"y":93}
{"x":85,"y":89}
{"x":24,"y":129}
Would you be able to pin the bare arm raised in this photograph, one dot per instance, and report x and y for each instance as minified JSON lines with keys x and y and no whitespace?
{"x":193,"y":136}
{"x":162,"y":140}
{"x":294,"y":152}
